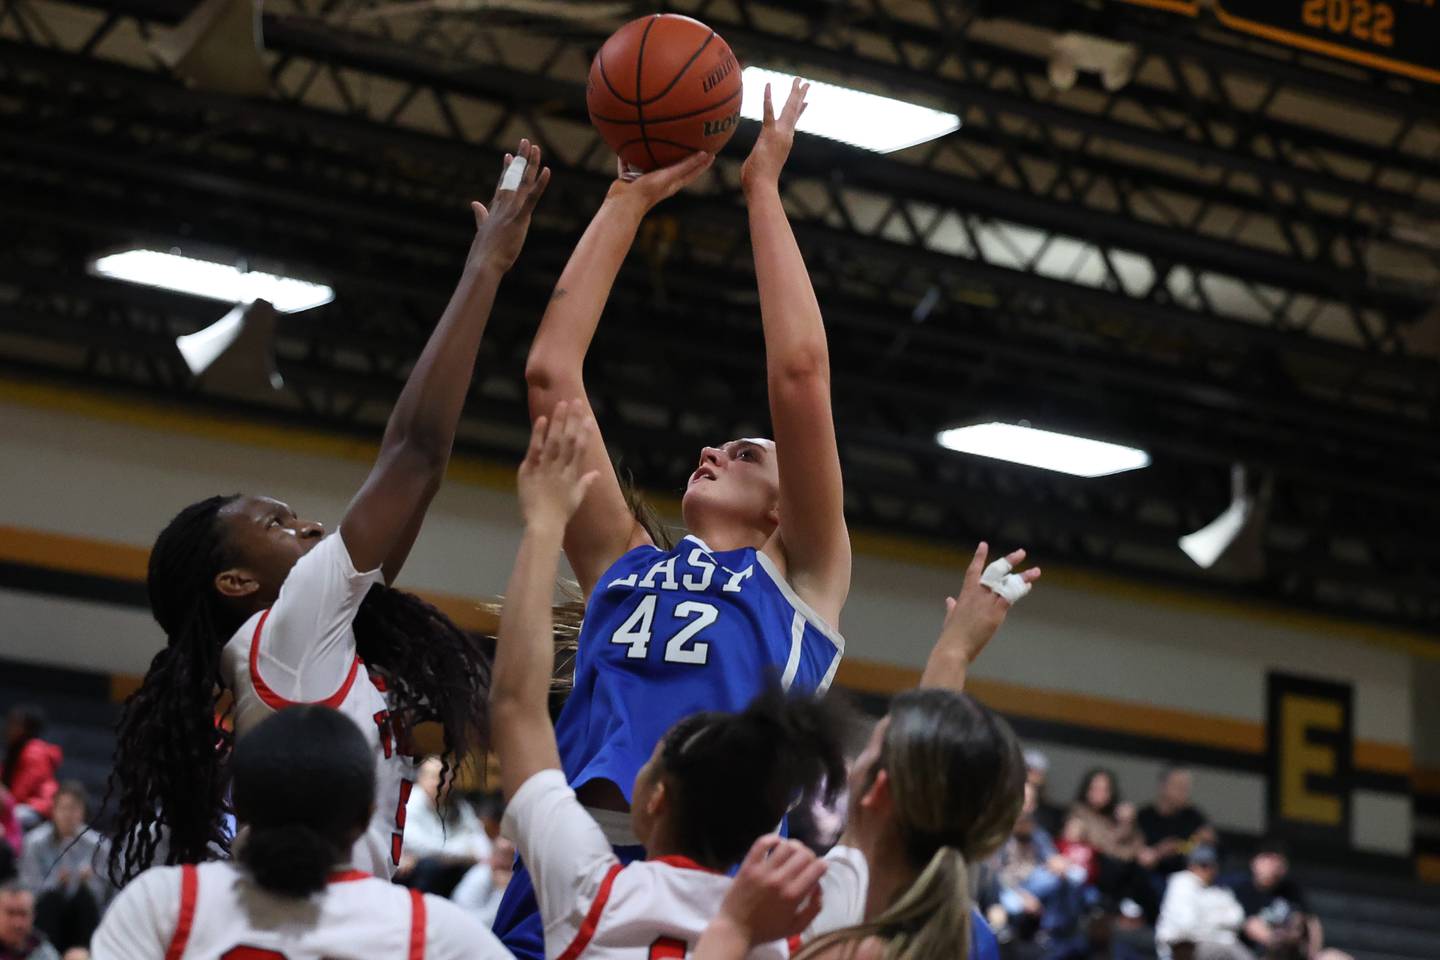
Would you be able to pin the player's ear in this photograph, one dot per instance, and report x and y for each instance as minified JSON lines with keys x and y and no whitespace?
{"x":658,"y":802}
{"x":236,"y":582}
{"x":877,"y":797}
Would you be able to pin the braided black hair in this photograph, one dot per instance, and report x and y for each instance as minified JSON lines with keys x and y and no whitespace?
{"x":169,"y":779}
{"x":732,"y":776}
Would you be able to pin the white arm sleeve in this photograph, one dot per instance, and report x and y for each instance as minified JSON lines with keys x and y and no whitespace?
{"x":563,"y":848}
{"x":453,"y":934}
{"x":141,"y":920}
{"x":842,"y":890}
{"x":307,"y":644}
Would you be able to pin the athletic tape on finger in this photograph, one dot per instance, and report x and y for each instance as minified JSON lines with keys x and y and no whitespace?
{"x":998,"y":579}
{"x":513,"y":174}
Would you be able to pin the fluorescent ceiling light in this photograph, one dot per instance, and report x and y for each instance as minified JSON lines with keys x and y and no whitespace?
{"x":206,"y":278}
{"x":1079,"y":456}
{"x":861,"y":119}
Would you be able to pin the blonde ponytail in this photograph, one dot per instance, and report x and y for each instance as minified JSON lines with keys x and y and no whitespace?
{"x":929,"y":921}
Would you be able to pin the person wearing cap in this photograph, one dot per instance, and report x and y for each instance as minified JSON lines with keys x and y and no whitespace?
{"x":1198,"y":918}
{"x":1278,"y":922}
{"x":1050,"y":817}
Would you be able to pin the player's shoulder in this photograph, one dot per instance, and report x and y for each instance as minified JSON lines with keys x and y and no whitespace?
{"x":452,"y":932}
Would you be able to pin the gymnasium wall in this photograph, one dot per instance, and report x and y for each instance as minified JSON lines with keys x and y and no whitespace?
{"x":1091,"y":669}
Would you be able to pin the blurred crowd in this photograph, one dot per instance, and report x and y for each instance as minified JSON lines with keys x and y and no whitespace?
{"x":1095,"y":877}
{"x":1101,"y":877}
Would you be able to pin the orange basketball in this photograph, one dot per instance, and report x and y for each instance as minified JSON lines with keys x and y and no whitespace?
{"x":663,"y":87}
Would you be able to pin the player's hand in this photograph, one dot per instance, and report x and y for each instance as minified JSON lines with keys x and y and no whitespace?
{"x":776,"y":894}
{"x":500,"y":229}
{"x":777,"y":136}
{"x":648,"y":189}
{"x":552,"y":484}
{"x":973,"y":615}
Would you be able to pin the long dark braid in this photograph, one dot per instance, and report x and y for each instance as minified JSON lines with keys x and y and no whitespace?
{"x":168,"y":781}
{"x":169,"y":778}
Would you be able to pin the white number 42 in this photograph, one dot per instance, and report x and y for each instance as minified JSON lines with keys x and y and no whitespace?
{"x":683,"y":647}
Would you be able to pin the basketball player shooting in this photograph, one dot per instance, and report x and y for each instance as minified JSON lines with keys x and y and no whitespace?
{"x":757,"y":587}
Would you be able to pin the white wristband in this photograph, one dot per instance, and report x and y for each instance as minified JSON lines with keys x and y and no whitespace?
{"x":513,"y":174}
{"x":998,"y":579}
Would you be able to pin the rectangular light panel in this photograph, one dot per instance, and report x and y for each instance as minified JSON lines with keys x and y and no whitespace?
{"x":206,"y":278}
{"x":1062,"y":452}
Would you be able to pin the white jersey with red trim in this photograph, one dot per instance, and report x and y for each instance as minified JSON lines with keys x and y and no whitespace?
{"x":215,"y":911}
{"x":590,"y":905}
{"x":302,"y":650}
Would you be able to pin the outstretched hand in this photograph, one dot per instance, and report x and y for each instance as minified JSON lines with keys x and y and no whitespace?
{"x":776,"y":894}
{"x":657,"y":185}
{"x":551,"y":483}
{"x":777,"y":136}
{"x":973,"y":615}
{"x":500,"y":229}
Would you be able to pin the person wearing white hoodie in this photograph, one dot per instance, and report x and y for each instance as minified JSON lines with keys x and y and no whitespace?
{"x":1197,"y":913}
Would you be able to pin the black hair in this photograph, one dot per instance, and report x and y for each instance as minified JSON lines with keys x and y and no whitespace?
{"x":1273,"y":844}
{"x":31,"y":721}
{"x":733,"y":775}
{"x":168,"y":778}
{"x":304,"y":786}
{"x":1091,"y":774}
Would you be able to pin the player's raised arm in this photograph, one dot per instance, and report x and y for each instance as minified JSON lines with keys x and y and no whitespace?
{"x":974,"y":615}
{"x":604,"y":528}
{"x":383,"y":520}
{"x":814,"y":542}
{"x":553,"y":482}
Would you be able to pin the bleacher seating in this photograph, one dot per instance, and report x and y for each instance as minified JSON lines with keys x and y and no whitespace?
{"x":79,"y":715}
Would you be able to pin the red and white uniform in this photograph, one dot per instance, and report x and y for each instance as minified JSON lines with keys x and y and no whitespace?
{"x":594,"y":908}
{"x":214,"y":911}
{"x":302,"y":650}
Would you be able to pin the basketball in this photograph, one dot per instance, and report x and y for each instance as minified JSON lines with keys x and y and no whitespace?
{"x":663,"y":87}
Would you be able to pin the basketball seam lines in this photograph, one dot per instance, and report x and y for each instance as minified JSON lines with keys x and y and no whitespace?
{"x":683,"y":70}
{"x":639,"y":81}
{"x":659,"y":140}
{"x":606,"y":77}
{"x":672,"y":118}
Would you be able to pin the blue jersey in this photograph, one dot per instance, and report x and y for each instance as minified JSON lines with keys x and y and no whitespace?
{"x":670,"y":634}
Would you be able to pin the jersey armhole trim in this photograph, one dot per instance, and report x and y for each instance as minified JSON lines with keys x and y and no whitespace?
{"x":272,"y":699}
{"x":417,"y":925}
{"x":189,"y":888}
{"x":592,"y":918}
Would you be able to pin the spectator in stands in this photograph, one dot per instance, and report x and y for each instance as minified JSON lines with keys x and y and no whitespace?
{"x":29,"y":768}
{"x":482,"y":888}
{"x":1171,"y":825}
{"x":1049,"y":816}
{"x":11,"y":836}
{"x":1041,"y":896}
{"x":63,"y":866}
{"x":1100,"y":820}
{"x":444,"y":839}
{"x":1278,"y":922}
{"x":19,"y":940}
{"x":1198,"y":918}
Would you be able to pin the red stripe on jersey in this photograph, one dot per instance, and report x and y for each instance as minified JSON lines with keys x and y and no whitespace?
{"x":684,"y":863}
{"x":592,"y":919}
{"x":272,"y":699}
{"x":417,"y":925}
{"x":189,"y":888}
{"x":346,"y":876}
